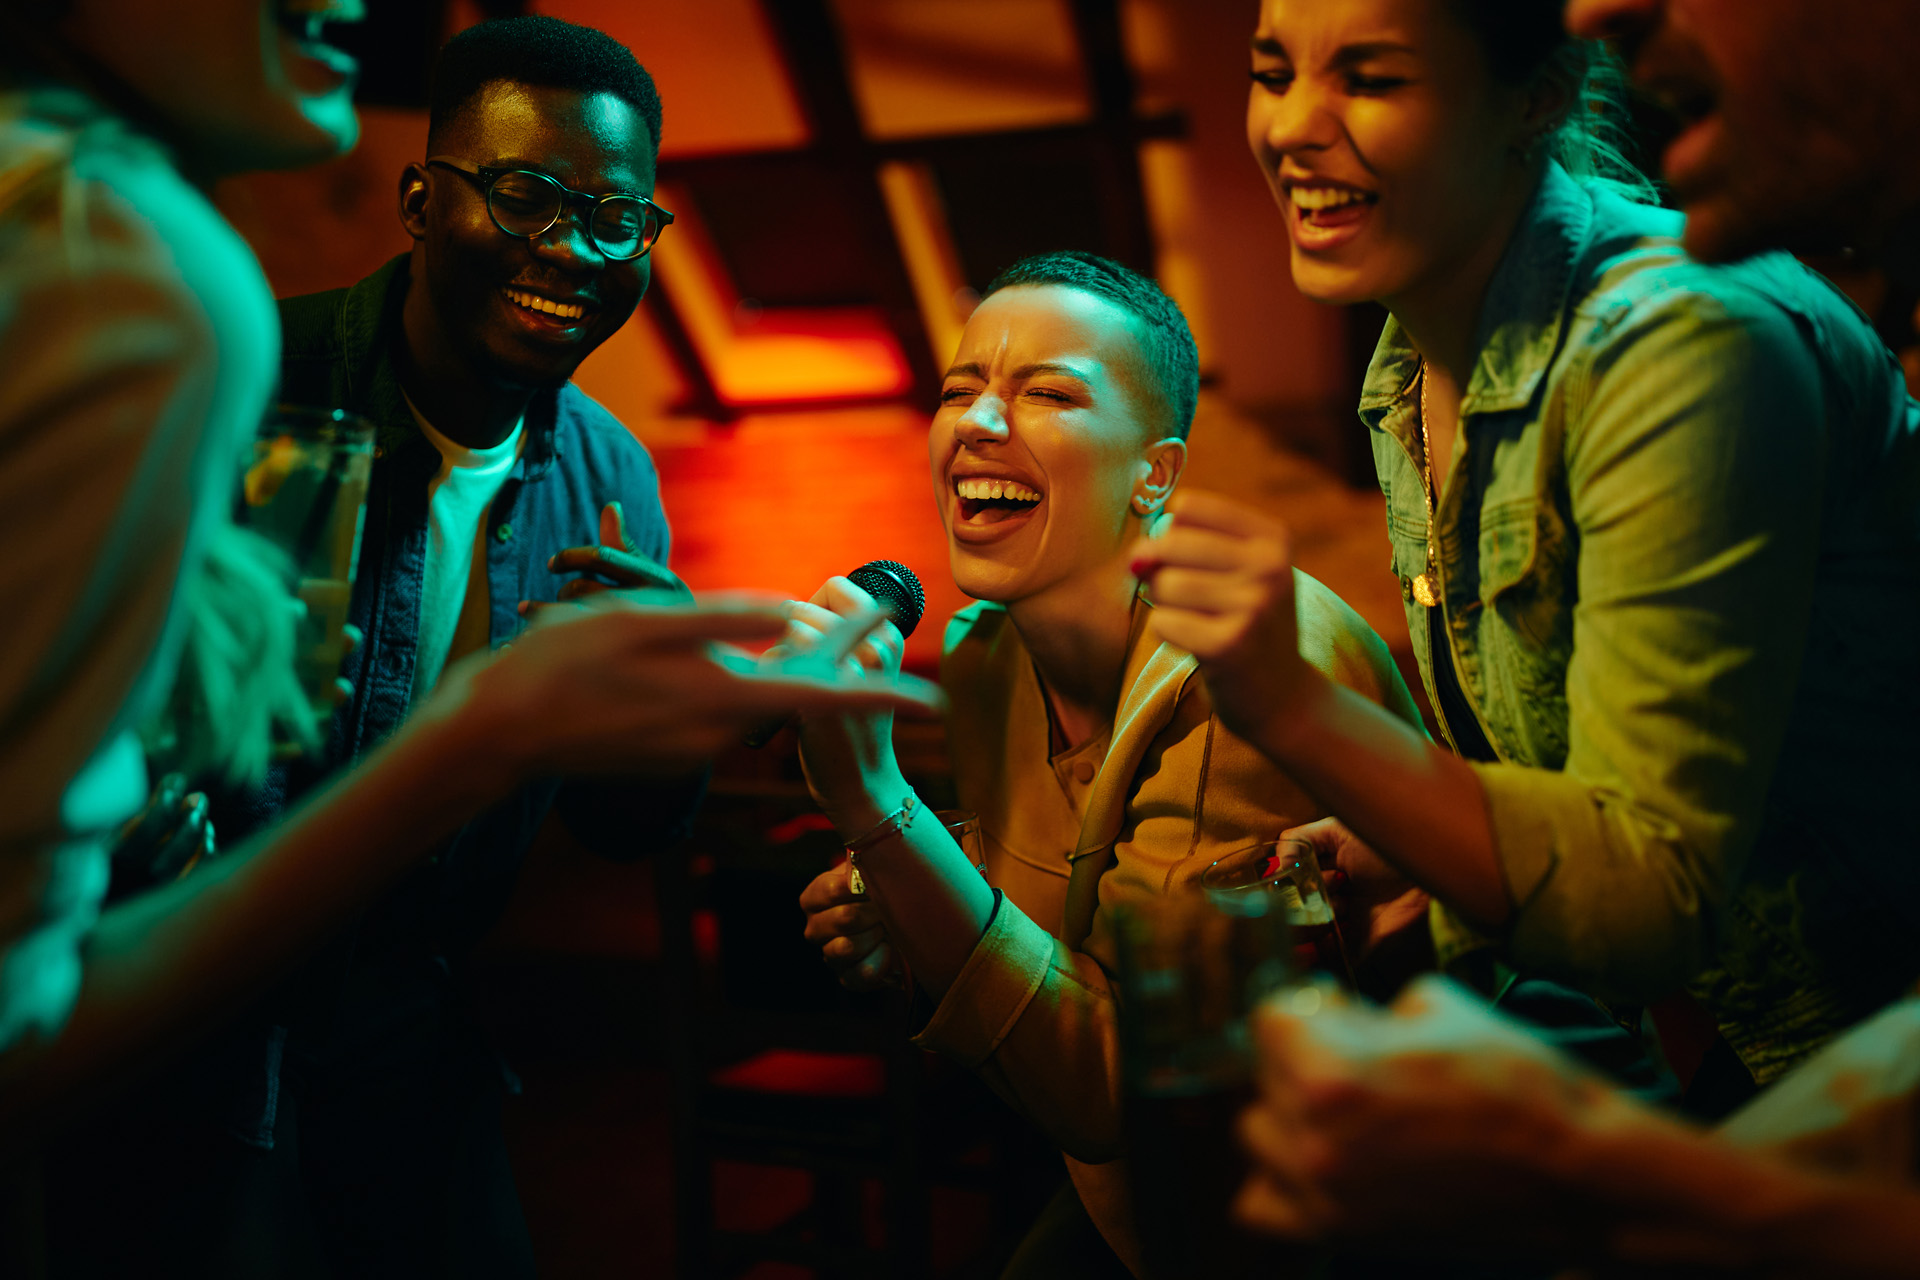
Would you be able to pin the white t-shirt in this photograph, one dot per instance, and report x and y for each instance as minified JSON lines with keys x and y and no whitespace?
{"x":458,"y":497}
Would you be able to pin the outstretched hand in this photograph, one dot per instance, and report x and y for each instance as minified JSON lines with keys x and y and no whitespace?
{"x":616,"y":684}
{"x":1221,"y":580}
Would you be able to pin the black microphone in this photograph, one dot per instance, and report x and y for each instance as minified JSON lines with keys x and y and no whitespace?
{"x":894,"y":588}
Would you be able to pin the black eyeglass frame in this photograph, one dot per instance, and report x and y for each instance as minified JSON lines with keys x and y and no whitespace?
{"x":487,"y":176}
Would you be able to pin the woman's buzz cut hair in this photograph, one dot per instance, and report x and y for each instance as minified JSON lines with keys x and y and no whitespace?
{"x":1172,"y":361}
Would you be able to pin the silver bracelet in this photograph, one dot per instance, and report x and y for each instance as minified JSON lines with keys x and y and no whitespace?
{"x":892,"y":825}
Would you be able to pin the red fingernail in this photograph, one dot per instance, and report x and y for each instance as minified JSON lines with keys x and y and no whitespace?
{"x":1143,"y":565}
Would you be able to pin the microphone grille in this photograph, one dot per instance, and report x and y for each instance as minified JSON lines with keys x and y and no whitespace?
{"x":894,"y":586}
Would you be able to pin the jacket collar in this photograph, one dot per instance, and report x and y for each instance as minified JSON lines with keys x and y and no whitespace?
{"x":1521,"y":320}
{"x":1154,"y":668}
{"x":369,"y":325}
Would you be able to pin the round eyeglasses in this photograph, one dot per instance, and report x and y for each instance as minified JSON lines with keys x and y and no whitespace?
{"x":525,"y":203}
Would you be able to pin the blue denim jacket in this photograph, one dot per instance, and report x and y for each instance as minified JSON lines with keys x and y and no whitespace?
{"x":1679,"y":560}
{"x":578,"y":457}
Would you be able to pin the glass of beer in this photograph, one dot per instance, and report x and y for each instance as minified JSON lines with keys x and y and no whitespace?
{"x":1194,"y":964}
{"x":306,"y":492}
{"x":1284,"y":874}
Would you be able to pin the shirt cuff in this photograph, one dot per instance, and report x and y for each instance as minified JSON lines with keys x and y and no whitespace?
{"x":1457,"y":944}
{"x":993,"y":989}
{"x":1598,"y":904}
{"x":1521,"y":809}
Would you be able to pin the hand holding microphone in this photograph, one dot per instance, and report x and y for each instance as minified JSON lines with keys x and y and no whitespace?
{"x":834,"y":635}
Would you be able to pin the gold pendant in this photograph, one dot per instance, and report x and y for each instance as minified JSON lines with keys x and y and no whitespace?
{"x":856,"y":883}
{"x":1423,"y":591}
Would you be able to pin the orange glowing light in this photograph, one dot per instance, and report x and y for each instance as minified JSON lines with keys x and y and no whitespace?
{"x":780,"y":354}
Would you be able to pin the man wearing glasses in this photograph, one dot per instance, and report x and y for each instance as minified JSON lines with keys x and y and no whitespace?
{"x":365,"y":1099}
{"x":532,"y":222}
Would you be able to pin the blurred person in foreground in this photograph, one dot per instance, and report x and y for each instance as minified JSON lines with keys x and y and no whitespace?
{"x":140,"y":341}
{"x":1085,"y":744}
{"x":1433,"y":1125}
{"x":365,"y":1090}
{"x":363,"y":1098}
{"x":1799,"y":119}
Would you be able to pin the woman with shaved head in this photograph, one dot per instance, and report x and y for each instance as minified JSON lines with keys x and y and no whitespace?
{"x":1085,"y":745}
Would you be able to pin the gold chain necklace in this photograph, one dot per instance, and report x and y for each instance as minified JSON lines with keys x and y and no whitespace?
{"x":1425,"y":585}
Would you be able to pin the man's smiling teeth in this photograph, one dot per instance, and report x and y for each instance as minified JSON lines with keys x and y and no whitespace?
{"x":565,"y":310}
{"x":981,"y":489}
{"x":1314,"y":199}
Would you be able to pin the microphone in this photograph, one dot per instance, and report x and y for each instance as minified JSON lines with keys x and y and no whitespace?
{"x":895,"y":589}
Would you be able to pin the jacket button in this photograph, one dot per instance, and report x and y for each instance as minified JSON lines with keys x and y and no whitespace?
{"x":1084,"y":771}
{"x":504,"y":532}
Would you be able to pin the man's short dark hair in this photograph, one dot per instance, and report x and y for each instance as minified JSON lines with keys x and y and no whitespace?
{"x":1173,"y":362}
{"x":541,"y":51}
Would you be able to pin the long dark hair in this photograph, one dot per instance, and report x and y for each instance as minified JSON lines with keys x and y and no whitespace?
{"x":1525,"y":40}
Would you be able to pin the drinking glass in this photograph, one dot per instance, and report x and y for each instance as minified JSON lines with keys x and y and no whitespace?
{"x":306,"y":492}
{"x":1283,"y":874}
{"x":1194,"y":964}
{"x":964,"y":826}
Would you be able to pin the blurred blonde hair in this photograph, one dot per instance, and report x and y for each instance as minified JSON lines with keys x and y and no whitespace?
{"x":237,"y":694}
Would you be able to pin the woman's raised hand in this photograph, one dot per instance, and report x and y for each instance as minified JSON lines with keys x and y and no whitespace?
{"x":847,"y":756}
{"x":1221,"y":580}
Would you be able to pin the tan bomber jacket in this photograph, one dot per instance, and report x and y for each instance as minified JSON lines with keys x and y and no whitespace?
{"x":1135,"y":812}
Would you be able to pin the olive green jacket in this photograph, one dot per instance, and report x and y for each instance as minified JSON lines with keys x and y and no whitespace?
{"x":1681,"y":589}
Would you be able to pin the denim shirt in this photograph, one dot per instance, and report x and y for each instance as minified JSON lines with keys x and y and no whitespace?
{"x":577,"y":458}
{"x":1679,"y":583}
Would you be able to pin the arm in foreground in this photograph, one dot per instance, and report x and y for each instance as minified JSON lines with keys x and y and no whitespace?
{"x":608,"y":688}
{"x":1445,"y":1129}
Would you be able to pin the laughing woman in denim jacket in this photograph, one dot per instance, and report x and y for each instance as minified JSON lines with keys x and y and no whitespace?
{"x":1655,"y":524}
